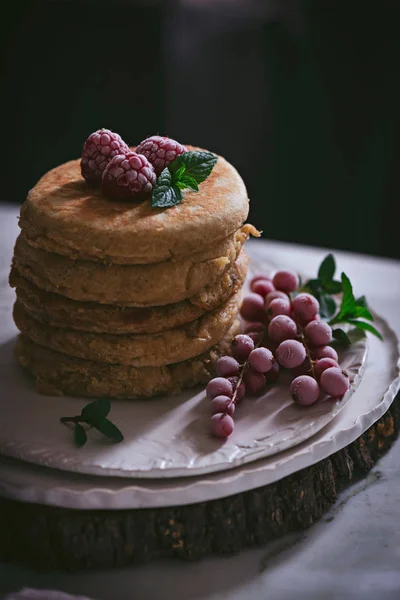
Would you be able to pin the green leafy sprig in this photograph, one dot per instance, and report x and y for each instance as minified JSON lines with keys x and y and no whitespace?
{"x":187,"y":171}
{"x":94,"y":415}
{"x":352,"y":311}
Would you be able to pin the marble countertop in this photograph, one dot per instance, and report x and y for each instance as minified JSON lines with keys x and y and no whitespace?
{"x":353,"y":552}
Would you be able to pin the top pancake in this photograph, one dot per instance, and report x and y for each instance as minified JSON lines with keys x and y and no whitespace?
{"x":64,"y":214}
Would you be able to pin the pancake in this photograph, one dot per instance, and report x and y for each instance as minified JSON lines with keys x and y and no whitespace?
{"x":57,"y":374}
{"x":135,"y":285}
{"x":58,"y":311}
{"x":65,"y":215}
{"x":152,"y":350}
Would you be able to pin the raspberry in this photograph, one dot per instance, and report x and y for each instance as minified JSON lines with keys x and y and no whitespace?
{"x":128,"y":176}
{"x":160,"y":151}
{"x":99,"y":148}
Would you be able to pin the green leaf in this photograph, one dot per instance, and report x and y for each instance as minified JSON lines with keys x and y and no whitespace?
{"x":348,"y":306}
{"x":165,"y":193}
{"x":327,"y":306}
{"x":109,"y":429}
{"x":366,"y":326}
{"x":80,"y":436}
{"x":187,"y":182}
{"x":363,"y":313}
{"x":179,"y":173}
{"x":362,"y":301}
{"x":198,"y":164}
{"x":96,"y":410}
{"x":332,"y":287}
{"x":341,"y":336}
{"x":327,"y":269}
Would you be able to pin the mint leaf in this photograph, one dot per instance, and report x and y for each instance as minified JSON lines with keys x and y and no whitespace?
{"x":341,"y":336}
{"x":333,"y":287}
{"x":198,"y":165}
{"x":327,"y":306}
{"x":366,"y":326}
{"x":363,"y":313}
{"x":98,"y":409}
{"x":187,"y":182}
{"x":362,"y":301}
{"x":327,"y":269}
{"x":80,"y":436}
{"x":348,"y":302}
{"x":165,"y":193}
{"x":109,"y":429}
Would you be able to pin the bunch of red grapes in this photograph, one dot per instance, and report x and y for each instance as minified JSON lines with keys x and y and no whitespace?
{"x":283,"y":329}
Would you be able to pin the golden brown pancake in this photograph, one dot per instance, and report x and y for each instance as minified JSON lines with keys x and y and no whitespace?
{"x":65,"y":215}
{"x":57,"y":374}
{"x":135,"y":285}
{"x":144,"y":350}
{"x":58,"y":311}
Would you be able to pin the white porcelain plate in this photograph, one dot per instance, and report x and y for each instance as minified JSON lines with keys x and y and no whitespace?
{"x":164,"y":437}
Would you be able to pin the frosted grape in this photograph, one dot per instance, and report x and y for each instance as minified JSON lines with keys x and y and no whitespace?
{"x":262,"y":287}
{"x":260,"y":277}
{"x":219,"y":386}
{"x":291,"y":354}
{"x":226,"y":366}
{"x":273,"y":296}
{"x":282,"y":328}
{"x":335,"y":382}
{"x":303,"y":369}
{"x":273,"y":374}
{"x":286,"y":281}
{"x":255,"y":382}
{"x":322,"y":364}
{"x":304,"y":390}
{"x":279,"y":306}
{"x":221,"y":425}
{"x":255,"y":336}
{"x":242,"y":345}
{"x":222,"y":404}
{"x":252,"y":308}
{"x":253,"y":327}
{"x":261,"y":360}
{"x":325,"y":352}
{"x":318,"y":333}
{"x":305,"y":306}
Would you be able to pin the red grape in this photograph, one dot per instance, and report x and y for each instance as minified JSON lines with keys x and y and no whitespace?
{"x":322,"y":364}
{"x":242,"y":345}
{"x":252,"y":308}
{"x":303,"y":369}
{"x":318,"y":333}
{"x":259,"y":277}
{"x":325,"y":352}
{"x":255,"y":382}
{"x":291,"y":354}
{"x":335,"y":382}
{"x":222,"y":425}
{"x":273,"y":373}
{"x":261,"y":360}
{"x":226,"y":366}
{"x":219,"y":386}
{"x":279,"y":306}
{"x":305,"y":306}
{"x":222,"y":404}
{"x":273,"y":296}
{"x":286,"y":281}
{"x":252,"y":327}
{"x":305,"y":390}
{"x":262,"y":287}
{"x":282,"y":328}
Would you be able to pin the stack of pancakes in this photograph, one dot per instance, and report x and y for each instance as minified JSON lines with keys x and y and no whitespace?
{"x":123,"y":300}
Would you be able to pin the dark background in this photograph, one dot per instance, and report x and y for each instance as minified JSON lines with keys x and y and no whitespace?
{"x":301,"y":96}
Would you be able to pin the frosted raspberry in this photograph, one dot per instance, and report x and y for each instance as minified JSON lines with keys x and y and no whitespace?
{"x":99,"y":148}
{"x":128,"y":176}
{"x":160,"y":151}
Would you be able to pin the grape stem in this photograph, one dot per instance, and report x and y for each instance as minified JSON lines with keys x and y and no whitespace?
{"x":241,"y":374}
{"x":306,"y":346}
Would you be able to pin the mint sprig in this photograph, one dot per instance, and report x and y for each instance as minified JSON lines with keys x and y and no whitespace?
{"x":352,"y":311}
{"x":95,"y":415}
{"x":187,"y":171}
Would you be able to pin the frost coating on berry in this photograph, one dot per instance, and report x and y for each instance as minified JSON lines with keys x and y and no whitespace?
{"x":99,"y":148}
{"x":160,"y":151}
{"x":128,"y":176}
{"x":305,"y":390}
